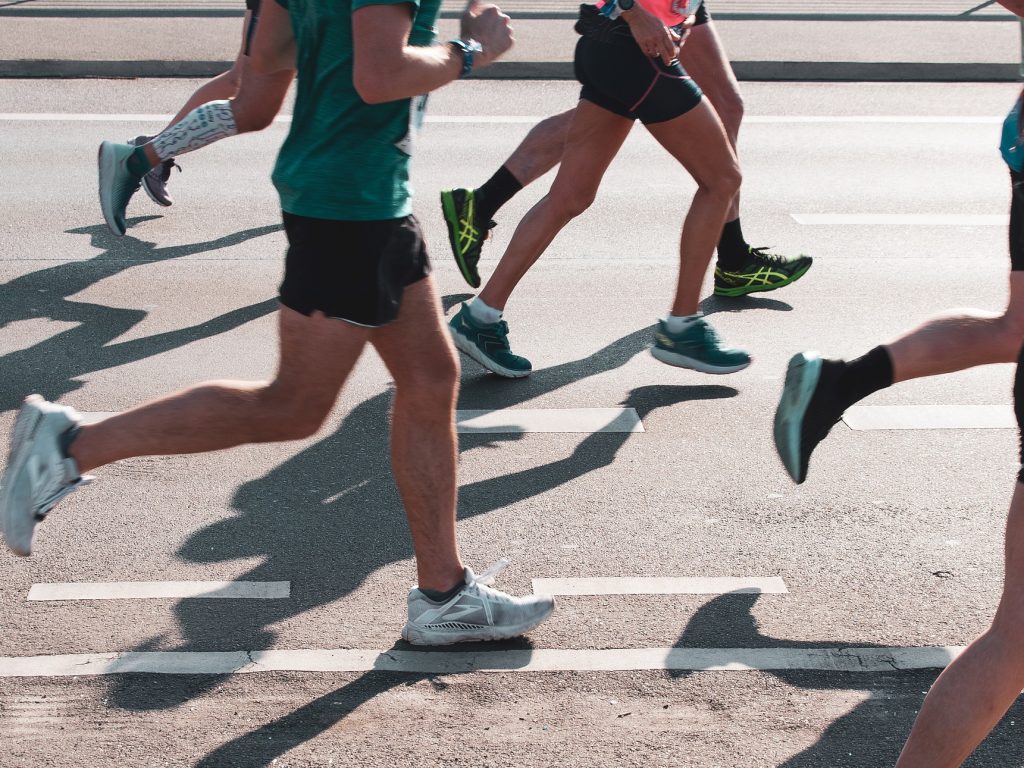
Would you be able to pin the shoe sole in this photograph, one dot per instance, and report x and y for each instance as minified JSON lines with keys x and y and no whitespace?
{"x":747,"y":289}
{"x":415,"y":636}
{"x":451,"y":218}
{"x":682,"y":361}
{"x":471,"y":351}
{"x":25,"y":425}
{"x":802,"y":377}
{"x":165,"y":202}
{"x":107,"y":167}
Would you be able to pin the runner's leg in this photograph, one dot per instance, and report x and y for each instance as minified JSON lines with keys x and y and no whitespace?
{"x":593,"y":141}
{"x":698,"y":141}
{"x":316,"y":356}
{"x":424,"y":449}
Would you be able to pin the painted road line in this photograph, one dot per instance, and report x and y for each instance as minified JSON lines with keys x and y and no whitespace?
{"x":96,"y":117}
{"x":144,"y":590}
{"x":868,"y":417}
{"x":878,"y":659}
{"x":902,"y":219}
{"x":660,"y":586}
{"x":518,"y":420}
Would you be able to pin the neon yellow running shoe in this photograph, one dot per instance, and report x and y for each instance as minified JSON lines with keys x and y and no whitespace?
{"x":466,"y":231}
{"x":763,"y":271}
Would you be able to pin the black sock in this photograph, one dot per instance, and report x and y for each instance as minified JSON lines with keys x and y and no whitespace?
{"x":863,"y":376}
{"x":443,"y":597}
{"x":732,"y":248}
{"x":495,"y":192}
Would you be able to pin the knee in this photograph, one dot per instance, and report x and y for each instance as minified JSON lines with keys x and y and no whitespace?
{"x":730,"y":108}
{"x":292,"y":414}
{"x":570,"y":203}
{"x":432,"y":384}
{"x":252,"y":117}
{"x":725,"y":184}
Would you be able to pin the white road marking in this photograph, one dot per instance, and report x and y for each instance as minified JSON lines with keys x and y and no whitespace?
{"x":909,"y":219}
{"x":96,"y":117}
{"x":517,"y":420}
{"x":659,"y":586}
{"x":869,"y":417}
{"x":877,"y":659}
{"x":141,"y":590}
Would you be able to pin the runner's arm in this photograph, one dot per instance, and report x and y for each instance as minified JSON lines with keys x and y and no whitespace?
{"x":387,"y":68}
{"x":273,"y":46}
{"x":1013,"y":6}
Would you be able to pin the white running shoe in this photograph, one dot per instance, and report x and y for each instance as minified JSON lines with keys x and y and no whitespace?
{"x":38,"y":474}
{"x":477,"y":612}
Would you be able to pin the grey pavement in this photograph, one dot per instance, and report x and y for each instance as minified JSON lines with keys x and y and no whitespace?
{"x":916,"y":41}
{"x":894,"y":540}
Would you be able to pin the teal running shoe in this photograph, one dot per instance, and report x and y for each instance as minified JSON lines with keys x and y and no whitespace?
{"x":117,"y":184}
{"x":698,"y":347}
{"x":487,"y":343}
{"x":807,"y":410}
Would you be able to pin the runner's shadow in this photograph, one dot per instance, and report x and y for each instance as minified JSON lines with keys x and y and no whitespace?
{"x":714,"y":304}
{"x":873,"y":732}
{"x":54,"y":366}
{"x":331,"y":516}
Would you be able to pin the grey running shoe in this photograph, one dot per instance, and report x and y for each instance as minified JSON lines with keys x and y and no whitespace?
{"x":117,"y":184}
{"x":477,"y":612}
{"x":38,"y":474}
{"x":155,"y":182}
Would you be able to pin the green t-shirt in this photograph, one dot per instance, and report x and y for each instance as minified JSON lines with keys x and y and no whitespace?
{"x":345,"y":159}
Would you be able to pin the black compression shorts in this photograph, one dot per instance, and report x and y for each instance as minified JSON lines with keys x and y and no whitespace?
{"x":1016,"y":221}
{"x":351,"y":270}
{"x":1018,"y":408}
{"x":703,"y":17}
{"x":618,"y":76}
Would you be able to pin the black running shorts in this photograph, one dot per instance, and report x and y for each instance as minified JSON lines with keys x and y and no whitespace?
{"x":254,"y":20}
{"x":1016,"y":221}
{"x":352,"y":270}
{"x":1018,"y":408}
{"x":618,"y":76}
{"x":703,"y":17}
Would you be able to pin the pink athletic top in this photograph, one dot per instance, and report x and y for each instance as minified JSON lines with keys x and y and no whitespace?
{"x":670,"y":12}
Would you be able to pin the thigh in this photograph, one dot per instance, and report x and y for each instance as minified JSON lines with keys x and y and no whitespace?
{"x":594,"y":138}
{"x":698,"y":141}
{"x":417,"y":342}
{"x":704,"y":58}
{"x":317,"y":353}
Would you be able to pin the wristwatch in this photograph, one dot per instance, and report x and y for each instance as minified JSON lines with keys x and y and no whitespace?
{"x":626,"y":5}
{"x":469,"y":49}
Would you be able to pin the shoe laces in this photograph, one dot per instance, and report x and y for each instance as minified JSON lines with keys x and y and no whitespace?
{"x":165,"y":169}
{"x":488,"y":577}
{"x":763,"y":253}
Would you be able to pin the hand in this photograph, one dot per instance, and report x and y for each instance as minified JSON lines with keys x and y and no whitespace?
{"x":488,"y":26}
{"x":653,"y":37}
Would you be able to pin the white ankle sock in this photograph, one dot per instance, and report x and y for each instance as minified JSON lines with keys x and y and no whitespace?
{"x":679,"y":323}
{"x":483,"y":313}
{"x":202,"y":126}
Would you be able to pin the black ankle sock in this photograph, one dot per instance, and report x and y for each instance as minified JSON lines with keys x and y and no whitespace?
{"x":732,"y":248}
{"x":863,"y":376}
{"x":443,"y":597}
{"x":495,"y":192}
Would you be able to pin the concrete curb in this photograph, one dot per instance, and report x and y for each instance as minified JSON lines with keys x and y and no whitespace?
{"x":829,"y":71}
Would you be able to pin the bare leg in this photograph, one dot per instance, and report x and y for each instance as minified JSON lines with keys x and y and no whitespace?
{"x":424,"y":450}
{"x":260,"y":97}
{"x":698,"y":141}
{"x":594,"y":139}
{"x":541,"y":150}
{"x":317,"y":354}
{"x":962,"y":339}
{"x":223,"y":86}
{"x":704,"y":59}
{"x":975,"y":691}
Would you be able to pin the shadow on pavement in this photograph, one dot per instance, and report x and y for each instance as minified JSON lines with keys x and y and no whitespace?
{"x":331,"y":516}
{"x":52,"y":367}
{"x":872,"y":733}
{"x":714,"y":304}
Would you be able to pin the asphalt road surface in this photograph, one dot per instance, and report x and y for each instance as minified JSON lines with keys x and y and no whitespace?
{"x":892,"y":546}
